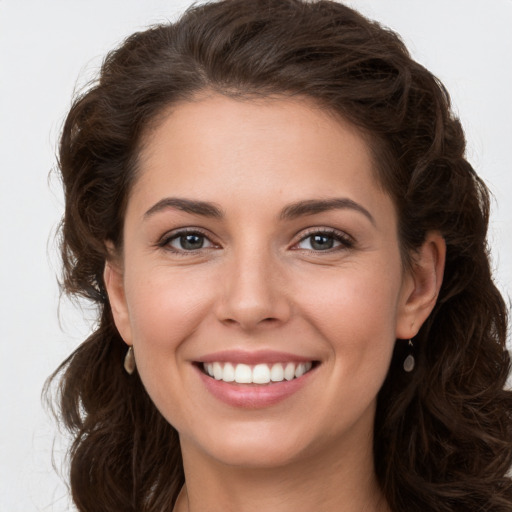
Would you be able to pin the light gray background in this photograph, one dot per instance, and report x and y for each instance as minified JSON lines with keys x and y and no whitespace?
{"x":44,"y":48}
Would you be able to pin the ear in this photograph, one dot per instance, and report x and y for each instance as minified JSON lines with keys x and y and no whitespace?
{"x":421,"y":285}
{"x":113,"y":278}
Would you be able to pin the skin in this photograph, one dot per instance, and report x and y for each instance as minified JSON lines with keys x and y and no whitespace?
{"x":258,"y":283}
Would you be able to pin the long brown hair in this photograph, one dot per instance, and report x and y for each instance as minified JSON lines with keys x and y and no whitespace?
{"x":443,"y":434}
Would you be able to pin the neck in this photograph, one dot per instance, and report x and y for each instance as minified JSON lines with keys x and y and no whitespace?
{"x":330,"y":482}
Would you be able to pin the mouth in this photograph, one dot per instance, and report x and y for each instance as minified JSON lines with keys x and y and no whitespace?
{"x":255,"y":379}
{"x":260,"y":373}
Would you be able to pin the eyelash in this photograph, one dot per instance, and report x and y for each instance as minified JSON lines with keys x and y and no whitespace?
{"x":344,"y":240}
{"x":166,"y":240}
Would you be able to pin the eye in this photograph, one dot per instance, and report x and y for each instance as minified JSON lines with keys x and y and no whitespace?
{"x":187,"y":241}
{"x":324,"y":241}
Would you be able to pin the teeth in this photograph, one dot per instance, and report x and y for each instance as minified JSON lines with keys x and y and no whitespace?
{"x":300,"y":370}
{"x":258,"y":374}
{"x":228,"y":373}
{"x":261,"y":374}
{"x":277,"y":373}
{"x":289,"y":371}
{"x":217,"y":371}
{"x":243,"y":374}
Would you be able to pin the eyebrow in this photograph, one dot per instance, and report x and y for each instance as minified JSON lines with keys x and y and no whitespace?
{"x":314,"y":206}
{"x":289,"y":212}
{"x":202,"y":208}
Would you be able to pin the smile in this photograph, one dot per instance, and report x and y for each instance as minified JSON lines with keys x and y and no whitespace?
{"x":257,"y":379}
{"x":256,"y":374}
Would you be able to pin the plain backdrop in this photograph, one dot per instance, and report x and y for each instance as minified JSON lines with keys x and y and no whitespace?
{"x":46,"y":50}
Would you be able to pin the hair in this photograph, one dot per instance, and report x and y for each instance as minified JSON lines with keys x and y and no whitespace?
{"x":443,"y":433}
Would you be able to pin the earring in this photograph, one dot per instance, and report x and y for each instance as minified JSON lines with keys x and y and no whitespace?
{"x":409,"y":361}
{"x":129,"y":361}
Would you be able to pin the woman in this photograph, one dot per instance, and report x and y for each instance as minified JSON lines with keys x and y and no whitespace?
{"x":269,"y":203}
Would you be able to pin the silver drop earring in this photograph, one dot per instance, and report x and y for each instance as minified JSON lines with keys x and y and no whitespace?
{"x":129,"y":361}
{"x":409,"y":361}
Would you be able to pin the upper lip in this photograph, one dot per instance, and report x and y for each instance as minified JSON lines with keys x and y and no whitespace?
{"x":254,"y":357}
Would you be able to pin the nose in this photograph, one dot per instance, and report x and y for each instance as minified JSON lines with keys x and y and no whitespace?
{"x":253,"y":294}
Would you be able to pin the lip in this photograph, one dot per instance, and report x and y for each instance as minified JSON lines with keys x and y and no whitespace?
{"x":253,"y":358}
{"x":254,"y":396}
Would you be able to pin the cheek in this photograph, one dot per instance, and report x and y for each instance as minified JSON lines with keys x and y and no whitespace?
{"x":355,"y":313}
{"x":353,"y":298}
{"x":165,"y":308}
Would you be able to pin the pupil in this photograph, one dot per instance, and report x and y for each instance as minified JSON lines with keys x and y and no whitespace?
{"x":191,"y":242}
{"x":321,"y":242}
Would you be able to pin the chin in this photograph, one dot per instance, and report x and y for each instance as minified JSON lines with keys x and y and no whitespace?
{"x":256,"y":456}
{"x":256,"y":447}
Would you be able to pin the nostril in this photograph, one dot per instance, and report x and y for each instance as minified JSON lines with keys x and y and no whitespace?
{"x":247,"y":323}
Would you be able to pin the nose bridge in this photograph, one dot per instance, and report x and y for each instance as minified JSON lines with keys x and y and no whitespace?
{"x":252,"y":294}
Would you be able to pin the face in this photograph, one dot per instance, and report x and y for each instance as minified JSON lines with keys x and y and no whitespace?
{"x":259,"y":247}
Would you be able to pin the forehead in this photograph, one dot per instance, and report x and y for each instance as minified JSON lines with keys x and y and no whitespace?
{"x":219,"y":146}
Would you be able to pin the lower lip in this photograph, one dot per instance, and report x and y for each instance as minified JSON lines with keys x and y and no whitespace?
{"x":253,"y":396}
